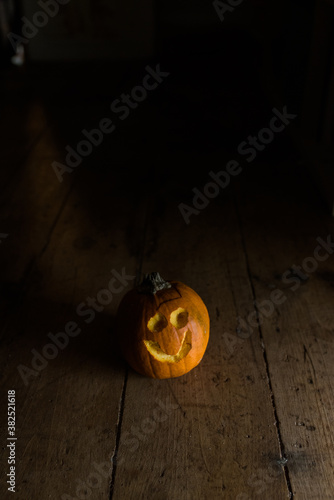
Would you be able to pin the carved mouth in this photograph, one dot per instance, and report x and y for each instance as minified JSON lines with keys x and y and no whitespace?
{"x":155,"y":350}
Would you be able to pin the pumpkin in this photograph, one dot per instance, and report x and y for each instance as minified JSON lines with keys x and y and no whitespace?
{"x":162,"y":327}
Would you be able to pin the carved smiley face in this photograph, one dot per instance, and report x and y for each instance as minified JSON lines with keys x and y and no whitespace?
{"x":163,"y":330}
{"x":156,"y":324}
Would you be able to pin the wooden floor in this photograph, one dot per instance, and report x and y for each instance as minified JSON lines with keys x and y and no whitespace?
{"x":255,"y":418}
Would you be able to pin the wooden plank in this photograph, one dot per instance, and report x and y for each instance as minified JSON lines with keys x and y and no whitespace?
{"x":212,"y":432}
{"x":30,"y":205}
{"x":282,"y":231}
{"x":76,"y":233}
{"x":67,"y":414}
{"x":224,"y":429}
{"x":31,"y":197}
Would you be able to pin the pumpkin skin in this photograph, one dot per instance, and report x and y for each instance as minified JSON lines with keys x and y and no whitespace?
{"x":162,"y":327}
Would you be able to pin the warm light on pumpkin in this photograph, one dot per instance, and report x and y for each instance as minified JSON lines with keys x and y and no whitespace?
{"x":163,"y":328}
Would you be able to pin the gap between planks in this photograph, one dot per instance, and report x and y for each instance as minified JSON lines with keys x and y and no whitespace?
{"x":265,"y":358}
{"x":139,"y":267}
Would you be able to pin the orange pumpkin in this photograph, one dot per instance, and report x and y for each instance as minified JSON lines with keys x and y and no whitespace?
{"x":163,"y":328}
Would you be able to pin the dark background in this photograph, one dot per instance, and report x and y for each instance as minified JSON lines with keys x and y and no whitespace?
{"x":225,"y":77}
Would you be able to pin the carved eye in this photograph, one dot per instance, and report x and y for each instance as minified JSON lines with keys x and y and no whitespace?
{"x":157,"y":323}
{"x":179,"y":318}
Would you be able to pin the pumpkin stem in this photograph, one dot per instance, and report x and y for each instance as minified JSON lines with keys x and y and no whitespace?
{"x":152,"y":283}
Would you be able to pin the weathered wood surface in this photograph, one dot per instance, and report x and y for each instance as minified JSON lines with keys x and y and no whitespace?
{"x":74,"y":400}
{"x":219,"y":437}
{"x":61,"y":240}
{"x":298,"y":334}
{"x":254,"y":419}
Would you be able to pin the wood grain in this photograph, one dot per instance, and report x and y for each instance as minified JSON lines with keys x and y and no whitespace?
{"x":69,"y":410}
{"x":254,"y":419}
{"x":219,"y":437}
{"x":298,"y":334}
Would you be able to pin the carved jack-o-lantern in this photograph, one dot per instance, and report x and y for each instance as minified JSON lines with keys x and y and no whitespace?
{"x":163,"y":328}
